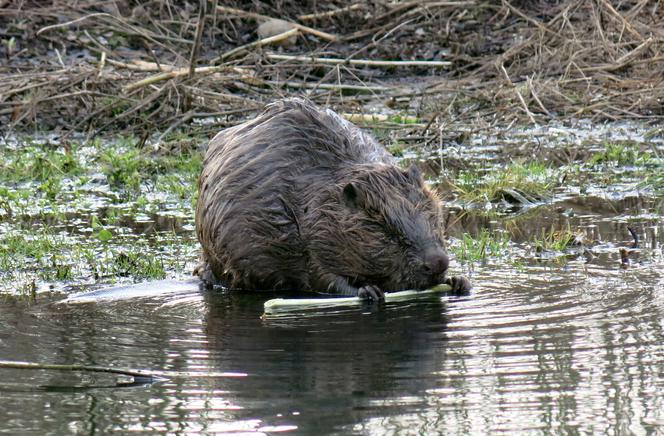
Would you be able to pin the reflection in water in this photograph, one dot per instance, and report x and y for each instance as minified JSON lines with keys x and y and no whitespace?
{"x":328,"y":368}
{"x":571,"y":348}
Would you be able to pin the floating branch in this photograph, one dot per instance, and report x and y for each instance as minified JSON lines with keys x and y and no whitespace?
{"x":139,"y":376}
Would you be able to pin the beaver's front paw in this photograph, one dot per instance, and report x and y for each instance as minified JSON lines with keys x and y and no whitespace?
{"x":371,"y":293}
{"x":460,"y":284}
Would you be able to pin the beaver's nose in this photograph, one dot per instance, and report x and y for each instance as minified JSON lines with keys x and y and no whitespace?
{"x":436,"y":261}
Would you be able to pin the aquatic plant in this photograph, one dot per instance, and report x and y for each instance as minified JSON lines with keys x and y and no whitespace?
{"x":135,"y":264}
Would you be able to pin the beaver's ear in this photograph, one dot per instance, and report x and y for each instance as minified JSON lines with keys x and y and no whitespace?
{"x":353,"y":195}
{"x":413,"y":173}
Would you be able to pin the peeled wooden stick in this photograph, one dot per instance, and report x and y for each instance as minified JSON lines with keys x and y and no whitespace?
{"x":291,"y":304}
{"x":255,"y":16}
{"x":365,"y":62}
{"x":260,"y":43}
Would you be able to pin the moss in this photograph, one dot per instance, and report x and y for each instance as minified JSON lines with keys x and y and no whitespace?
{"x":404,"y":119}
{"x":396,"y":150}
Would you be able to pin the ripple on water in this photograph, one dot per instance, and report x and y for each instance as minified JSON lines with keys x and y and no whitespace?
{"x":530,"y":348}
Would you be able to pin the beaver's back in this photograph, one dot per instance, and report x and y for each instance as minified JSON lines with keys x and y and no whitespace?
{"x":255,"y":179}
{"x":293,"y":131}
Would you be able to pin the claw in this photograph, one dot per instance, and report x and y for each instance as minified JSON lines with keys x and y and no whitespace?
{"x":371,"y":293}
{"x":460,"y":285}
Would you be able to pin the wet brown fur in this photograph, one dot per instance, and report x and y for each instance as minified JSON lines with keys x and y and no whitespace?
{"x":301,"y":199}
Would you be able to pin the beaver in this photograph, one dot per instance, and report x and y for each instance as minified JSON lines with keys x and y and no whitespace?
{"x":301,"y":199}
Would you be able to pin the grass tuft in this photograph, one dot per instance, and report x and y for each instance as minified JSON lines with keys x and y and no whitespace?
{"x":530,"y":181}
{"x":486,"y":244}
{"x":621,"y":154}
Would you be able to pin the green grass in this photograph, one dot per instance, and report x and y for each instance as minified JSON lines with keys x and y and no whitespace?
{"x":137,"y":265}
{"x":38,"y":162}
{"x":40,"y":250}
{"x":621,"y":154}
{"x":656,"y":181}
{"x":98,"y":195}
{"x":39,"y":254}
{"x":16,"y":247}
{"x":628,"y":161}
{"x":553,"y":239}
{"x":532,"y":180}
{"x":130,"y":168}
{"x":124,"y":169}
{"x":486,"y":244}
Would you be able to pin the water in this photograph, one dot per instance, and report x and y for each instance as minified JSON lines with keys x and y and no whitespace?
{"x":567,"y":349}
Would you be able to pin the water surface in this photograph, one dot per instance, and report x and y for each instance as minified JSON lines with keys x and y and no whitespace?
{"x":551,"y":349}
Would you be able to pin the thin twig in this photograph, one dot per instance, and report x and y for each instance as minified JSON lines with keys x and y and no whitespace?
{"x":69,"y":23}
{"x":536,"y":23}
{"x":518,"y":94}
{"x":199,"y":35}
{"x":330,"y":86}
{"x":622,"y":19}
{"x":332,"y":13}
{"x":176,"y":73}
{"x":529,"y":81}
